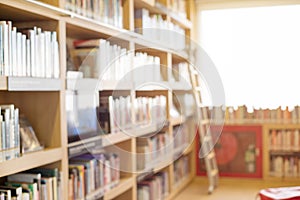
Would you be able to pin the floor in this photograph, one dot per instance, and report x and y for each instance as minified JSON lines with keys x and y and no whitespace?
{"x":229,"y":189}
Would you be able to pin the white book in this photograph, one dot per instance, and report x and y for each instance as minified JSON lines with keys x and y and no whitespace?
{"x":5,"y":47}
{"x":56,"y":72}
{"x":19,"y":54}
{"x":48,"y":49}
{"x":42,"y":55}
{"x":10,"y":48}
{"x":14,"y":51}
{"x":23,"y":62}
{"x":55,"y":54}
{"x":32,"y":38}
{"x":38,"y":54}
{"x":1,"y":52}
{"x":28,"y":58}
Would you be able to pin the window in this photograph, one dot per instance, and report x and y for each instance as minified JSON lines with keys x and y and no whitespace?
{"x":256,"y":52}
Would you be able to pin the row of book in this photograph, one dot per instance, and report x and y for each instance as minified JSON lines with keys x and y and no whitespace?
{"x":35,"y":184}
{"x":153,"y":150}
{"x":285,"y":166}
{"x":28,"y":52}
{"x":110,"y":12}
{"x":155,"y":28}
{"x":284,"y":140}
{"x":98,"y":58}
{"x":89,"y":173}
{"x":153,"y":188}
{"x":115,"y":114}
{"x":146,"y":68}
{"x":181,"y":169}
{"x":17,"y":136}
{"x":150,"y":110}
{"x":279,"y":115}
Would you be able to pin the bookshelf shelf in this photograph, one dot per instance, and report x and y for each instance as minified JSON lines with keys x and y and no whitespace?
{"x":27,"y":10}
{"x":95,"y":84}
{"x":33,"y":84}
{"x":124,"y":185}
{"x":30,"y":160}
{"x":85,"y":28}
{"x":114,"y":138}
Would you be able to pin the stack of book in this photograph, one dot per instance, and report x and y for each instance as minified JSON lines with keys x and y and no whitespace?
{"x":89,"y":173}
{"x":146,"y":68}
{"x":155,"y":28}
{"x":155,"y":187}
{"x":9,"y":132}
{"x":110,"y":12}
{"x":153,"y":150}
{"x":181,"y":169}
{"x":284,"y":140}
{"x":40,"y":183}
{"x":28,"y":52}
{"x":99,"y":59}
{"x":285,"y":166}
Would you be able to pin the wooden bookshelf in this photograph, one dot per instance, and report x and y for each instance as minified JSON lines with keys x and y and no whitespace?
{"x":43,"y":99}
{"x":268,"y":152}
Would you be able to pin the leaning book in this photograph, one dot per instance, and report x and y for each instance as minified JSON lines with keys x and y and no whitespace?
{"x":29,"y":141}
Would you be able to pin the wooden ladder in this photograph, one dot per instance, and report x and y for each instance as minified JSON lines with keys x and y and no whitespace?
{"x":206,"y":151}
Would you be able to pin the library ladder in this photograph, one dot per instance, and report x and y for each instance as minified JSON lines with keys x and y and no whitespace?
{"x":206,"y":151}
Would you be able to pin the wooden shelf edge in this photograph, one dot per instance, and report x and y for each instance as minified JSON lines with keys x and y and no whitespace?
{"x":3,"y":83}
{"x":30,"y":160}
{"x":124,"y":185}
{"x":35,"y":7}
{"x":177,"y":121}
{"x":114,"y":138}
{"x":107,"y":140}
{"x":33,"y":84}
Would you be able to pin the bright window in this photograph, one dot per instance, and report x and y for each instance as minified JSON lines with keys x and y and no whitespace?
{"x":257,"y":53}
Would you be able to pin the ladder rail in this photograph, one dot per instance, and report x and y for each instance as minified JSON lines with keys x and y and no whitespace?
{"x":206,"y":150}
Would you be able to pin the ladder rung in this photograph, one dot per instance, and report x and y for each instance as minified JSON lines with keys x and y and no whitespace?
{"x":211,"y":155}
{"x":214,"y":172}
{"x":207,"y":138}
{"x":205,"y":121}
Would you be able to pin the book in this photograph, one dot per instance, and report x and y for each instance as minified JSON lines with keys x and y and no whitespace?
{"x":50,"y":173}
{"x":28,"y":178}
{"x":16,"y":192}
{"x":29,"y":141}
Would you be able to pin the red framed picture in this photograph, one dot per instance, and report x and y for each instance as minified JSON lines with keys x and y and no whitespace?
{"x":238,"y":151}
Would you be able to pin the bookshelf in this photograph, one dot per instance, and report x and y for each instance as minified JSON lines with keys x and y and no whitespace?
{"x":42,"y":100}
{"x":282,"y":152}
